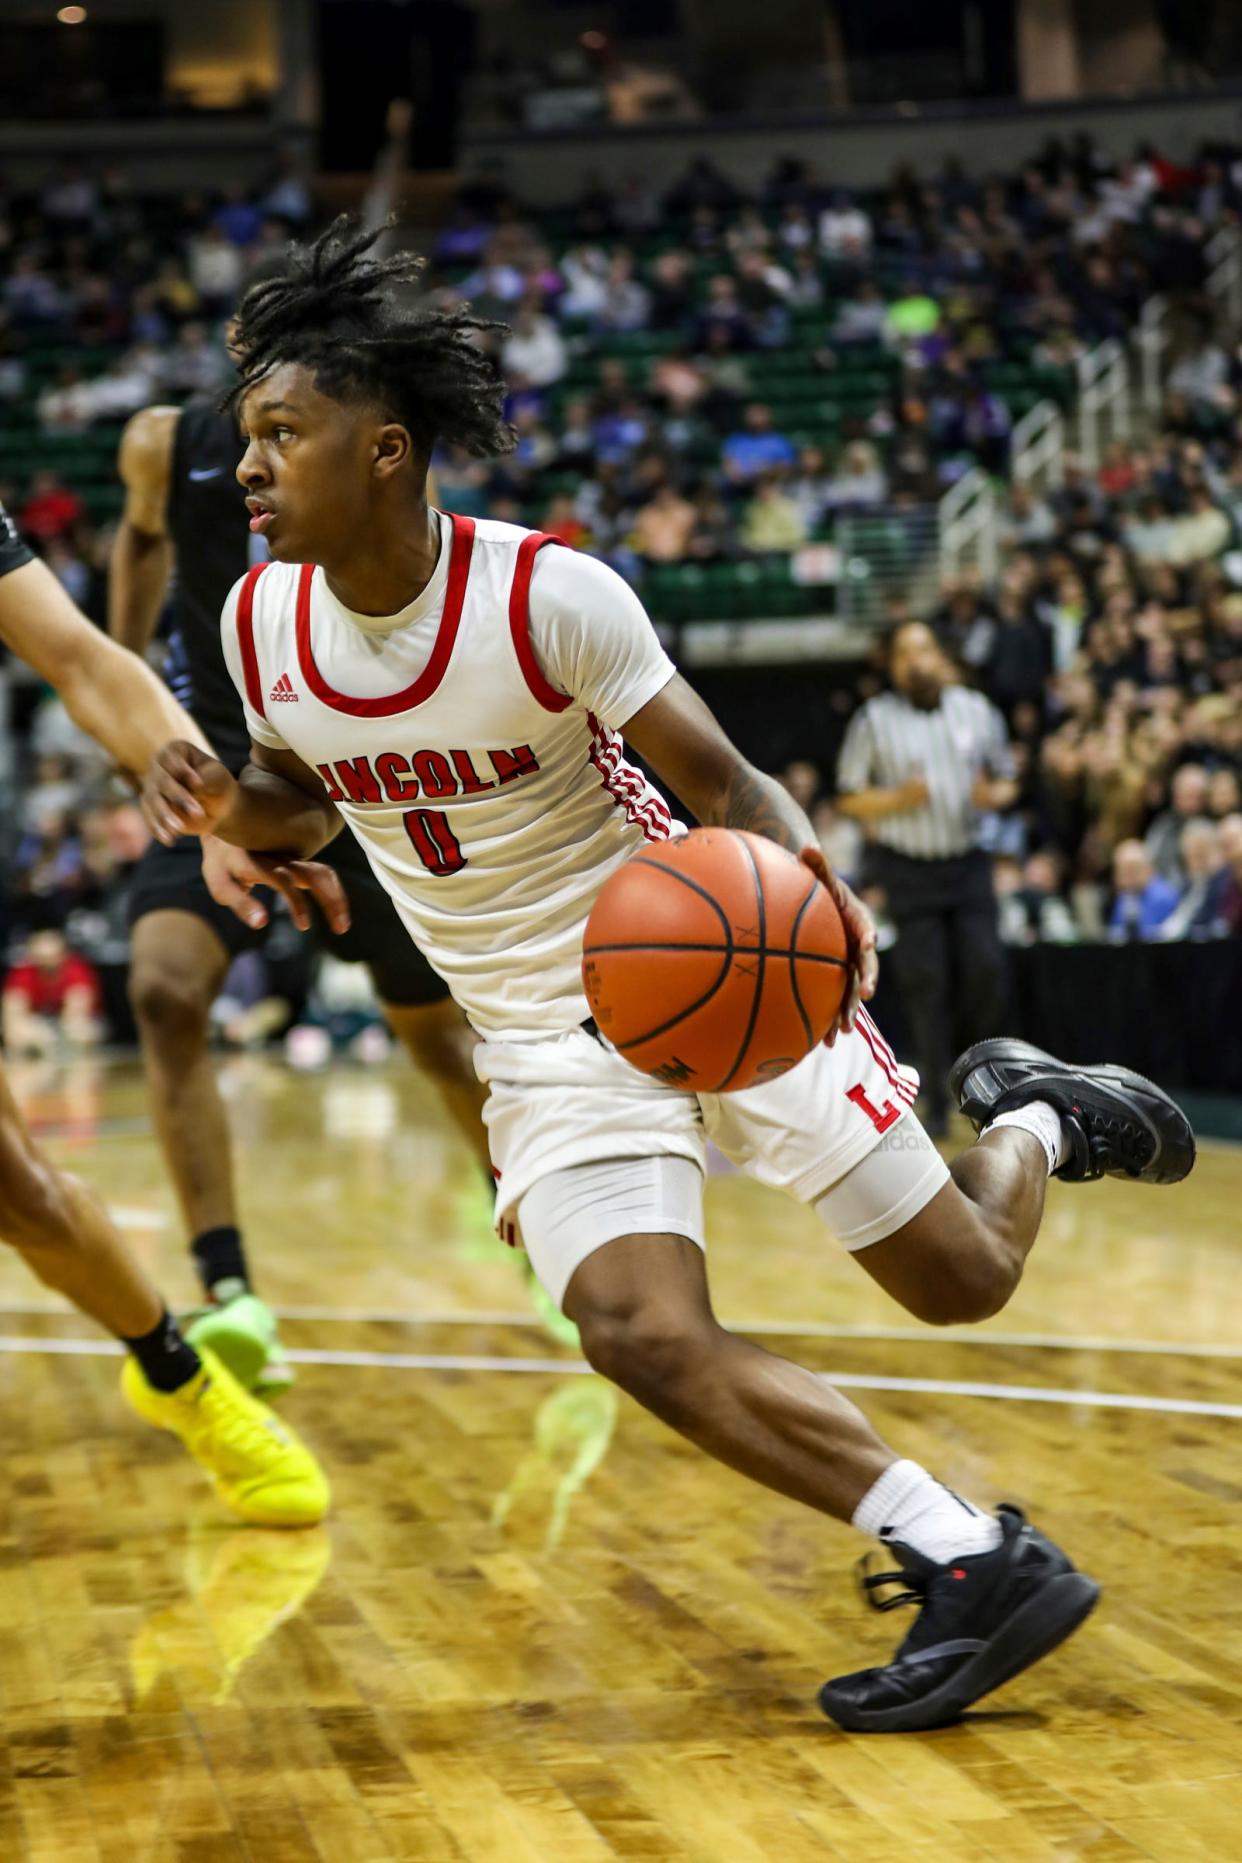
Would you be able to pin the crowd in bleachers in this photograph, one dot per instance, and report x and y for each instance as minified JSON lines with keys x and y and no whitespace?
{"x":702,"y":385}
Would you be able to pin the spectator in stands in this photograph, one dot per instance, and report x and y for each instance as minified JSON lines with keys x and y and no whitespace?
{"x":859,"y":483}
{"x":724,"y":321}
{"x":562,"y":520}
{"x":861,"y":317}
{"x":1202,"y":531}
{"x":806,"y":287}
{"x":1027,"y":522}
{"x":1202,"y":371}
{"x":844,"y":229}
{"x":194,"y":364}
{"x":625,"y":302}
{"x":672,"y":291}
{"x":1142,"y":901}
{"x":216,"y":267}
{"x":1199,"y":913}
{"x":1030,"y":904}
{"x":52,"y":996}
{"x":664,"y":526}
{"x":32,"y":298}
{"x":757,"y":448}
{"x":771,"y":520}
{"x":67,"y":407}
{"x":1188,"y":806}
{"x":585,"y":271}
{"x":536,"y":348}
{"x":809,"y":488}
{"x":51,"y":510}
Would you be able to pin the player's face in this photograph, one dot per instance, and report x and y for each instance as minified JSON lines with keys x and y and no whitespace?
{"x":308,"y":468}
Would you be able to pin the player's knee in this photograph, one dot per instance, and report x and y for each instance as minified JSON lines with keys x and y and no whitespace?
{"x":653,"y":1351}
{"x":171,"y":1009}
{"x":971,"y":1285}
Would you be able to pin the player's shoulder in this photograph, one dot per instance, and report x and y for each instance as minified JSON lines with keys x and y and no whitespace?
{"x":266,"y":591}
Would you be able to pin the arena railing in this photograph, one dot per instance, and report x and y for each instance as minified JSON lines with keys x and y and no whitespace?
{"x":1037,"y":447}
{"x":1103,"y":398}
{"x":966,"y":519}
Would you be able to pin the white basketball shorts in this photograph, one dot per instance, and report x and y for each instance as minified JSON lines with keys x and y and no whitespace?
{"x":560,"y":1103}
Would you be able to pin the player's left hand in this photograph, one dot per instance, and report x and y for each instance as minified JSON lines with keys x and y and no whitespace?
{"x":860,"y":938}
{"x":231,"y":872}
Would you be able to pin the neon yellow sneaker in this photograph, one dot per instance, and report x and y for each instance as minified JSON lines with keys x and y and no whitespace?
{"x":260,"y":1468}
{"x":241,"y":1331}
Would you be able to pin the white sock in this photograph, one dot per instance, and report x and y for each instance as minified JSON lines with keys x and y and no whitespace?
{"x":1043,"y":1122}
{"x":909,"y":1505}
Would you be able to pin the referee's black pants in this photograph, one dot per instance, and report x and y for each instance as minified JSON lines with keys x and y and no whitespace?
{"x":948,"y":960}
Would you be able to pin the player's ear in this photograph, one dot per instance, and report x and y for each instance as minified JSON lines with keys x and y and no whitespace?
{"x":393,"y":449}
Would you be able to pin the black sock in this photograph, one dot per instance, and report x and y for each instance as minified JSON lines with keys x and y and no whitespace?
{"x":168,"y":1361}
{"x":219,"y":1256}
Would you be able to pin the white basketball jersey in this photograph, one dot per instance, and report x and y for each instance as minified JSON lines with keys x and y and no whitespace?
{"x":492,"y":805}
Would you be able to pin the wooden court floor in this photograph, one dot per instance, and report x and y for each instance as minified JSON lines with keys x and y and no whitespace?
{"x":539,"y":1629}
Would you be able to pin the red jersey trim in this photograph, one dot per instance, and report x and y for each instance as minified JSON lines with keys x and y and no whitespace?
{"x":459,"y":570}
{"x":519,"y":624}
{"x":245,"y":639}
{"x":642,"y":808}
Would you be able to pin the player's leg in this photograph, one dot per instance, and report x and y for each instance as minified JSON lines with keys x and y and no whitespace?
{"x":181,"y":945}
{"x":642,"y":1305}
{"x":177,"y":967}
{"x":66,"y":1237}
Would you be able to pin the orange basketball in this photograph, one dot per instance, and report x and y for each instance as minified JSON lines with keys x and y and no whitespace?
{"x":714,"y":961}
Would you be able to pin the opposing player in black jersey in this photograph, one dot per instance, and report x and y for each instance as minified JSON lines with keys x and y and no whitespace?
{"x":53,"y":1221}
{"x":183,"y":504}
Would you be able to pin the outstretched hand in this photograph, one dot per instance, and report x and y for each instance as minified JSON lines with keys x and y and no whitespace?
{"x":187,"y":791}
{"x":230,"y":873}
{"x":860,"y":941}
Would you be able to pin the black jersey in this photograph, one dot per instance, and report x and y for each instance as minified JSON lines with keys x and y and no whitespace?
{"x":209,"y":527}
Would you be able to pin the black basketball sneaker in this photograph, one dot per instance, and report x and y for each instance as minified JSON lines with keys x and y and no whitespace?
{"x":981,"y":1621}
{"x":1116,"y":1123}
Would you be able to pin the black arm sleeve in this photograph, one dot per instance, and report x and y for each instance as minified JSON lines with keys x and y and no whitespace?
{"x":13,"y":552}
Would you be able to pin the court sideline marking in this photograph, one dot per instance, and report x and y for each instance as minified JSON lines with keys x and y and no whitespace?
{"x":759,"y":1329}
{"x":848,"y":1381}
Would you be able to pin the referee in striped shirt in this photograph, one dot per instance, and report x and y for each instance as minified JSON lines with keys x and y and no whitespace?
{"x":918,"y":767}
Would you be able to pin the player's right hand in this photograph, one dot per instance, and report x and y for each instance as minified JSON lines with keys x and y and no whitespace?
{"x":187,"y":791}
{"x":230,"y":873}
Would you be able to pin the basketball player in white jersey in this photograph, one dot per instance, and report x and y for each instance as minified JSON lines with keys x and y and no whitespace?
{"x":453,"y":691}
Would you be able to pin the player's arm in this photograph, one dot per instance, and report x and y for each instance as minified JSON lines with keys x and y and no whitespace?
{"x":109,"y":692}
{"x":680,"y":738}
{"x":277,"y":805}
{"x":142,"y":551}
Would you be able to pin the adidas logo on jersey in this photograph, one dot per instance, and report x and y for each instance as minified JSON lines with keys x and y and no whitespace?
{"x":283,"y":689}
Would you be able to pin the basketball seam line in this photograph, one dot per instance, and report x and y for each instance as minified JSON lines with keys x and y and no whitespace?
{"x":793,"y":967}
{"x":735,"y":950}
{"x":761,"y":954}
{"x":636,"y":1041}
{"x":640,"y":860}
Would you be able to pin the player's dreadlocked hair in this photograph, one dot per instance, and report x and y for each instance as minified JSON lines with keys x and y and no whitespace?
{"x":333,"y":308}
